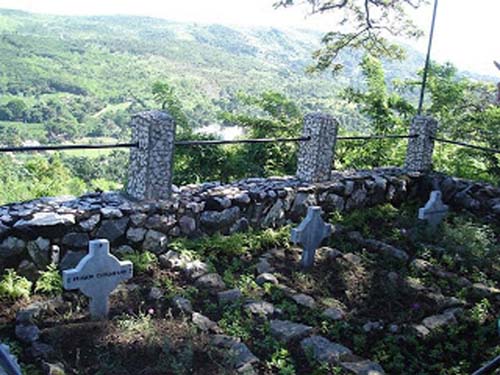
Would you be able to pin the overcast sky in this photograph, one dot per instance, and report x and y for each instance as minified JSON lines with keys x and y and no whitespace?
{"x":466,"y":34}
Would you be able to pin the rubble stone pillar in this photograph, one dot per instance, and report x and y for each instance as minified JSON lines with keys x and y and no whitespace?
{"x":420,"y":149}
{"x":151,"y":163}
{"x":316,"y":155}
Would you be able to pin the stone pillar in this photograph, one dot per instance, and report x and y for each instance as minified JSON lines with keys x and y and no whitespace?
{"x":316,"y":155}
{"x":419,"y":152}
{"x":151,"y":163}
{"x":498,"y":94}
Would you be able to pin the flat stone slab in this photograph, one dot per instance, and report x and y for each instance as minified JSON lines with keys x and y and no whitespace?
{"x":304,"y":300}
{"x":363,"y":367}
{"x":261,"y":308}
{"x":333,"y":313}
{"x":212,"y":281}
{"x":238,"y":352}
{"x":195,"y":269}
{"x":437,"y":321}
{"x":323,"y":350}
{"x":182,"y":305}
{"x":45,"y":219}
{"x":286,"y":331}
{"x":229,"y":296}
{"x":266,"y":278}
{"x":204,"y":323}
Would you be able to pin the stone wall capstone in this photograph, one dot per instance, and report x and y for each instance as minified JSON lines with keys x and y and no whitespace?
{"x":315,"y":156}
{"x":150,"y":168}
{"x":420,"y":148}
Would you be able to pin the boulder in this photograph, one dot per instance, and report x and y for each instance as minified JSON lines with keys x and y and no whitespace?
{"x":4,"y":230}
{"x":261,"y":308}
{"x":275,"y":216}
{"x":28,"y":270}
{"x":265,"y":277}
{"x":44,"y":220}
{"x":11,"y":246}
{"x":195,"y":269}
{"x":363,"y":367}
{"x":112,"y":230}
{"x":229,"y":296}
{"x":263,"y":266}
{"x":300,"y":204}
{"x":238,"y":353}
{"x":212,"y":282}
{"x":136,"y":235}
{"x":71,"y":259}
{"x":90,"y":224}
{"x":217,"y":203}
{"x":215,"y":220}
{"x":334,"y":313}
{"x":286,"y":331}
{"x":187,"y":224}
{"x":304,"y":300}
{"x":111,"y":213}
{"x":204,"y":323}
{"x":182,"y":305}
{"x":39,"y":251}
{"x":76,"y":240}
{"x":27,"y":333}
{"x":323,"y":350}
{"x":155,"y":242}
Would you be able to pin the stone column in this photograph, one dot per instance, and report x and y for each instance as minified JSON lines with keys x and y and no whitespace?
{"x":151,"y":163}
{"x":498,"y":94}
{"x":316,"y":155}
{"x":419,"y":152}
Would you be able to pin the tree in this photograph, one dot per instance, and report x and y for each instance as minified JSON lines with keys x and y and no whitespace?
{"x":387,"y":112}
{"x":466,"y":111}
{"x":268,"y":115}
{"x":164,"y":95}
{"x":364,"y":25}
{"x":18,"y":109}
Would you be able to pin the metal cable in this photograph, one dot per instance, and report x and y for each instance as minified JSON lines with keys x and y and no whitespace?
{"x":66,"y":147}
{"x":371,"y":137}
{"x":214,"y":142}
{"x":480,"y":148}
{"x":243,"y":141}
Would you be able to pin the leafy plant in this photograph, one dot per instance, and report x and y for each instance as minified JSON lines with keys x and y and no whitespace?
{"x":480,"y":311}
{"x":142,"y":261}
{"x":50,"y":281}
{"x":236,"y":323}
{"x":282,"y":362}
{"x":13,"y":286}
{"x":141,"y":324}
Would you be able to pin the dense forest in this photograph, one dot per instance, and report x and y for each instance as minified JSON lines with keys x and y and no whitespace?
{"x":78,"y":79}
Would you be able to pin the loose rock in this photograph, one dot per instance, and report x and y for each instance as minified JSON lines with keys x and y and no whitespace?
{"x":323,"y":350}
{"x":287,"y":331}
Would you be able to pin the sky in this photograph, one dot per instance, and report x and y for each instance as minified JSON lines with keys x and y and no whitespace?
{"x":465,"y":34}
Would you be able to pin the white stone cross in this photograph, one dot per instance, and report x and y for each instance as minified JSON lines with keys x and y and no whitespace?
{"x":434,"y":210}
{"x":310,"y":234}
{"x":97,"y":275}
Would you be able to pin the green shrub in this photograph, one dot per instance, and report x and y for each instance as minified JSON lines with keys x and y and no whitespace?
{"x":217,"y":246}
{"x":142,"y":261}
{"x":50,"y":281}
{"x":281,"y":361}
{"x":13,"y":286}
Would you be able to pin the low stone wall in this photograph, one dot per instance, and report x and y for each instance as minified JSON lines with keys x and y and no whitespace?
{"x":34,"y":234}
{"x":479,"y":198}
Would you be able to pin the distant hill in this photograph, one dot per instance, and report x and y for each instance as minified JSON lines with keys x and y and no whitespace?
{"x":83,"y":72}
